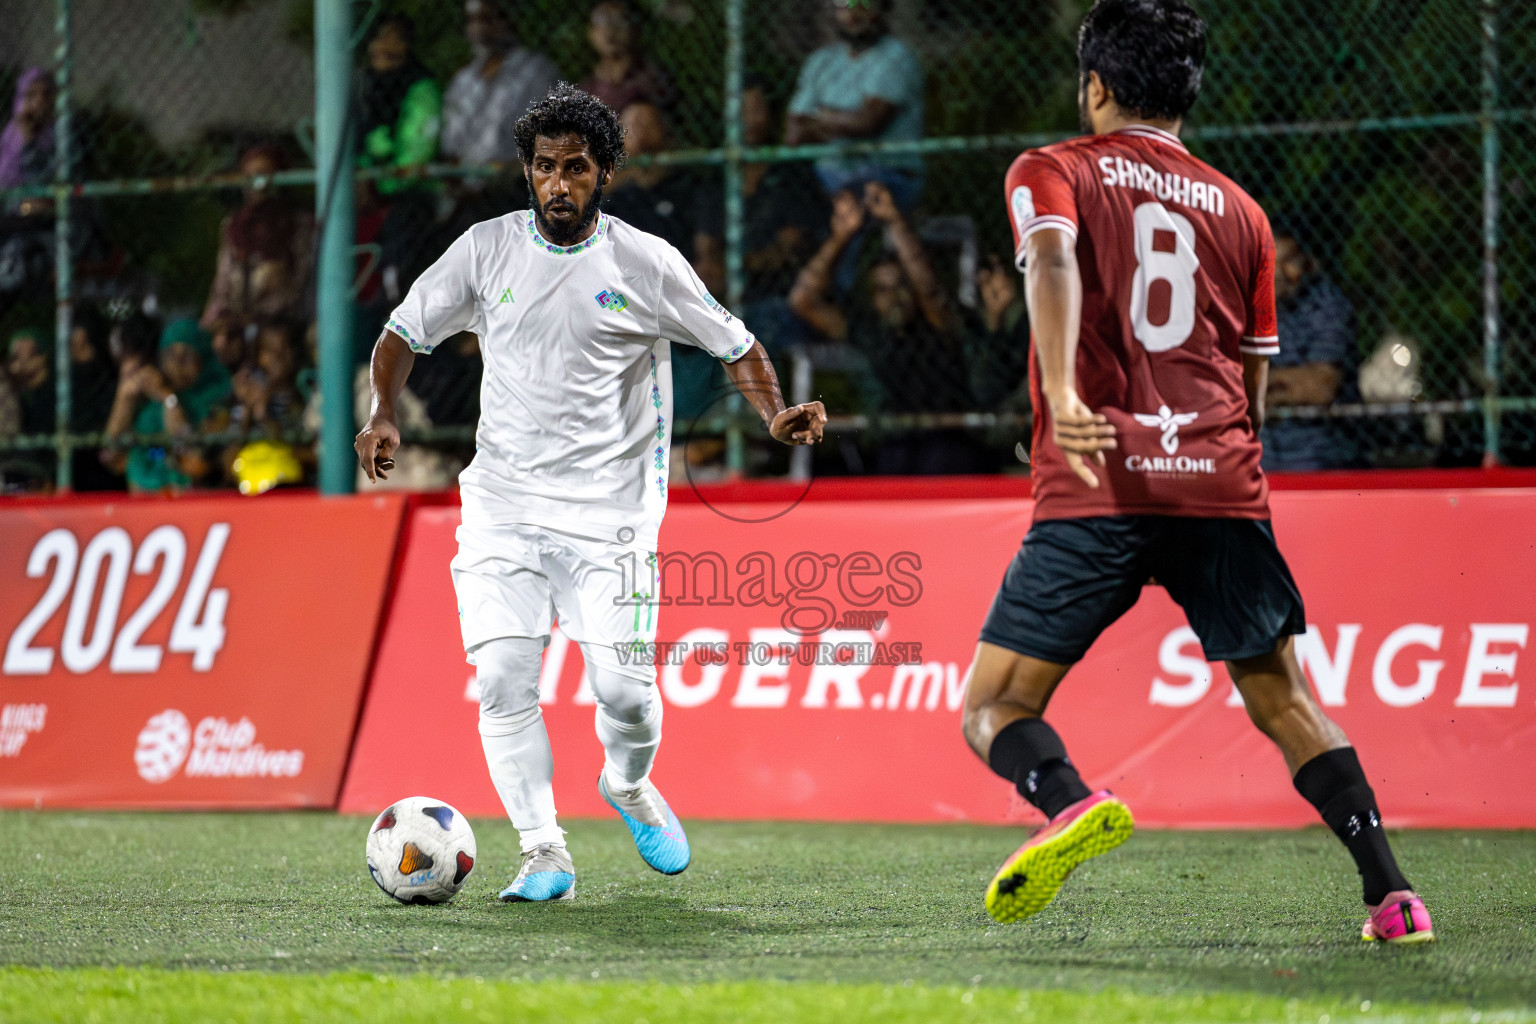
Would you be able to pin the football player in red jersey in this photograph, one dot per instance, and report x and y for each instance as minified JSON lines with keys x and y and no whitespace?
{"x":1150,"y":282}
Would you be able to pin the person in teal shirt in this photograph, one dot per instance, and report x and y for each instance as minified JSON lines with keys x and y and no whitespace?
{"x":866,"y":86}
{"x":178,"y":395}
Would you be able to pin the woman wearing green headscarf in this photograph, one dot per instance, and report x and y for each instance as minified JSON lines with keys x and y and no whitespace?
{"x":176,"y":397}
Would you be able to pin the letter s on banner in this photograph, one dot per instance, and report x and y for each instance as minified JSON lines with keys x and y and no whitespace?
{"x":678,"y":691}
{"x":1387,"y":688}
{"x":1172,"y":659}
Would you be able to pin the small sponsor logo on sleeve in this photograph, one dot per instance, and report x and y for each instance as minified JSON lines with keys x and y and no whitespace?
{"x":1023,"y":204}
{"x":712,"y":303}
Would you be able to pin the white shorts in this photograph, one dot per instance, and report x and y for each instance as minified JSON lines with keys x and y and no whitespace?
{"x":517,"y":580}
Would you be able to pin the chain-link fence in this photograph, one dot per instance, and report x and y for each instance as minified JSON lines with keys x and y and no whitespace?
{"x":159,"y":167}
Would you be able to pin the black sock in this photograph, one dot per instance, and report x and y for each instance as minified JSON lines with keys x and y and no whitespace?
{"x":1335,"y":784}
{"x":1029,"y":754}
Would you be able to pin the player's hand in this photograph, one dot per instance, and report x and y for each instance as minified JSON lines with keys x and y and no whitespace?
{"x":1082,"y":434}
{"x":799,"y":424}
{"x":376,"y":445}
{"x":847,"y":215}
{"x":877,"y":199}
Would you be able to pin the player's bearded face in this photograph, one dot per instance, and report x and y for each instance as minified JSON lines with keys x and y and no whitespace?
{"x":559,"y":177}
{"x":561,"y":221}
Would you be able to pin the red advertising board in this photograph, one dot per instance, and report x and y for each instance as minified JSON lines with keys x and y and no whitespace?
{"x":786,"y":697}
{"x":191,"y":653}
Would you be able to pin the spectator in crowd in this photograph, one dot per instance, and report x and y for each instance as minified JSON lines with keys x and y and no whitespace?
{"x":1318,"y":362}
{"x":265,"y":250}
{"x":902,"y":322}
{"x":402,"y":111}
{"x":866,"y":86}
{"x":997,"y":340}
{"x":135,"y":342}
{"x":231,"y":343}
{"x":177,"y":395}
{"x":10,"y":409}
{"x":664,"y":201}
{"x":782,"y":218}
{"x":265,"y":393}
{"x":27,"y":143}
{"x":623,"y":73}
{"x":93,"y":385}
{"x":486,"y":98}
{"x":29,"y":364}
{"x":659,"y":199}
{"x":402,"y":105}
{"x":266,"y":407}
{"x":27,"y":157}
{"x":29,"y":370}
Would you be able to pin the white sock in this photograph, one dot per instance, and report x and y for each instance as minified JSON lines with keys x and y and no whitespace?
{"x":522,"y":768}
{"x":628,"y":724}
{"x":549,"y":835}
{"x":513,"y":736}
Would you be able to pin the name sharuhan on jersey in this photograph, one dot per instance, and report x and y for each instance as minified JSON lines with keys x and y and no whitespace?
{"x":1177,"y":266}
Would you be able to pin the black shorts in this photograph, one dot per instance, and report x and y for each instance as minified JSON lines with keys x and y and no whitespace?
{"x":1073,"y":577}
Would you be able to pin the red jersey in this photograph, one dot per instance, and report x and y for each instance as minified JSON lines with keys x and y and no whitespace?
{"x":1178,"y":271}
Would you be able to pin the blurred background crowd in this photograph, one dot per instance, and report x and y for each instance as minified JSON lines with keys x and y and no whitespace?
{"x":880,"y":279}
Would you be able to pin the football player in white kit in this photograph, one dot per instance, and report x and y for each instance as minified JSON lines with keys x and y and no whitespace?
{"x":576,"y":313}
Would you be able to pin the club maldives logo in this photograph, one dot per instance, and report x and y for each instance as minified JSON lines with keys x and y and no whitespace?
{"x":17,"y":722}
{"x":217,"y":749}
{"x":612,"y":300}
{"x":1169,"y":423}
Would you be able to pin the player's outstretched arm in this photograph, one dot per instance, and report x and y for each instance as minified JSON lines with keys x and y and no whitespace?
{"x":1053,"y":288}
{"x":377,"y":442}
{"x":754,"y":377}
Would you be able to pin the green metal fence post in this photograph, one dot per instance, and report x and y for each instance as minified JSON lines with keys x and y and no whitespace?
{"x":63,"y":265}
{"x":735,"y":446}
{"x":334,"y":168}
{"x":1490,"y":126}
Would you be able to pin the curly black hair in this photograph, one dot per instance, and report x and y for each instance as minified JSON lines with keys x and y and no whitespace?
{"x":1149,"y":53}
{"x":569,"y":111}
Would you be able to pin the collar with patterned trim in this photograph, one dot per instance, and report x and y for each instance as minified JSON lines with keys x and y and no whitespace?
{"x":570,"y":250}
{"x":1147,"y":131}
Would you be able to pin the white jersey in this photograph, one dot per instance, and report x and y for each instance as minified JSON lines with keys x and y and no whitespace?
{"x":576,"y":400}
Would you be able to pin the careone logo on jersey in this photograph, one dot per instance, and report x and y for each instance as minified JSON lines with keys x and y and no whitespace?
{"x":612,"y":299}
{"x":1168,"y":422}
{"x":218,"y":748}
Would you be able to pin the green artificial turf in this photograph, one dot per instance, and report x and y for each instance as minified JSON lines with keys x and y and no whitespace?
{"x":1173,"y":926}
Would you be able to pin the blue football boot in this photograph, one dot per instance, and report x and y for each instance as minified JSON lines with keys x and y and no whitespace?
{"x":546,"y":874}
{"x":658,"y":834}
